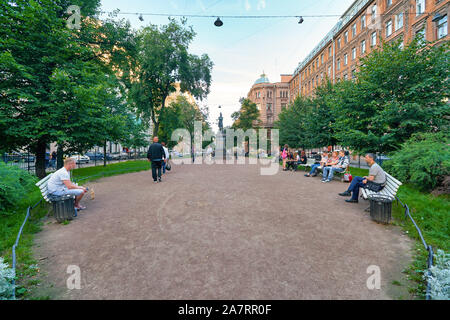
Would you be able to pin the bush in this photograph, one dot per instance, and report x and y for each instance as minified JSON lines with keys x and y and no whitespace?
{"x":439,"y":279}
{"x":6,"y":277}
{"x":15,"y":183}
{"x":424,"y":161}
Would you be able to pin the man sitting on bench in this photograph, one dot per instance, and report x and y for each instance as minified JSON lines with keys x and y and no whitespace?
{"x":60,"y":185}
{"x":375,"y":181}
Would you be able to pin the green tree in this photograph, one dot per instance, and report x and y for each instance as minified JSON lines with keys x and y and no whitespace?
{"x":54,"y":83}
{"x":292,"y":124}
{"x":162,"y":62}
{"x":248,"y":116}
{"x":398,"y":92}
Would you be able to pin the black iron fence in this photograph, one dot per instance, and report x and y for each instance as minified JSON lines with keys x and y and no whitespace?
{"x":27,"y":161}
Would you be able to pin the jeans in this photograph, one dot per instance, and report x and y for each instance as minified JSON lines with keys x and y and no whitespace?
{"x":314,"y":168}
{"x":163,"y":167}
{"x":354,"y":187}
{"x":156,"y":165}
{"x":328,"y":172}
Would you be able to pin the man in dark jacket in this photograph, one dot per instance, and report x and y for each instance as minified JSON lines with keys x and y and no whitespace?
{"x":156,"y":155}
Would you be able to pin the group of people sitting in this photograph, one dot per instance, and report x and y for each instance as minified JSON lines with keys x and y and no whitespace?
{"x":338,"y":162}
{"x":292,"y":160}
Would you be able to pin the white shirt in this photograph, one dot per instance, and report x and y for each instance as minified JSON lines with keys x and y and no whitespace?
{"x":166,"y":151}
{"x":55,"y":183}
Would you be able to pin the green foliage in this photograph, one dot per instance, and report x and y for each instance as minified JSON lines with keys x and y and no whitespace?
{"x":292,"y":123}
{"x":162,"y":62}
{"x":424,"y":161}
{"x":439,"y":279}
{"x":247,"y":117}
{"x":14,"y":185}
{"x":180,"y":114}
{"x":56,"y":83}
{"x":6,"y":277}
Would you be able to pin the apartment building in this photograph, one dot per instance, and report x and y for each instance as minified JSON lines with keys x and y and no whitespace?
{"x":270,"y":98}
{"x":361,"y":29}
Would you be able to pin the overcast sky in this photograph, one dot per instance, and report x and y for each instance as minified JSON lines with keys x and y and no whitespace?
{"x":243,"y":48}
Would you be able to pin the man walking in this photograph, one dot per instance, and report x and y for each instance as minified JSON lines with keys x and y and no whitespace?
{"x":156,"y":155}
{"x":375,"y":181}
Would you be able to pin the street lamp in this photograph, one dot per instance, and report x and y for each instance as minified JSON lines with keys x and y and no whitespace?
{"x":218,"y":23}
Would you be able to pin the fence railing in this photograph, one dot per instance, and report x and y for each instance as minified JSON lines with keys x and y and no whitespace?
{"x":27,"y":161}
{"x":427,"y":247}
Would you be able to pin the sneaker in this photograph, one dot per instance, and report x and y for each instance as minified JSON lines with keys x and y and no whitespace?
{"x":345,"y":194}
{"x":328,"y":180}
{"x":307,"y":175}
{"x":351,"y":201}
{"x":323,"y":180}
{"x":159,"y":180}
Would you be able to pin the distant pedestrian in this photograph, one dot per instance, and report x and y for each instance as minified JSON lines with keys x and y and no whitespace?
{"x":166,"y":161}
{"x":156,"y":156}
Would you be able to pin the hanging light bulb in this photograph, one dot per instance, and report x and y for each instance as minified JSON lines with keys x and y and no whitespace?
{"x":301,"y":20}
{"x":218,"y":23}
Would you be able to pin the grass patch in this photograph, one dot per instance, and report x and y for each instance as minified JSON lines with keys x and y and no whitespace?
{"x":431,"y":215}
{"x":94,"y":173}
{"x":10,"y":223}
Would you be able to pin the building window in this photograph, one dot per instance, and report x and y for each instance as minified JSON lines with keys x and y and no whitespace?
{"x":339,"y":64}
{"x":339,"y":43}
{"x":345,"y":59}
{"x":269,"y":107}
{"x":442,"y":27}
{"x":354,"y":30}
{"x":363,"y":22}
{"x":329,"y":71}
{"x":399,"y":21}
{"x":317,"y":63}
{"x":329,"y":51}
{"x":321,"y":58}
{"x":420,"y":7}
{"x":373,"y":39}
{"x":363,"y":46}
{"x":345,"y":77}
{"x":346,"y":36}
{"x":421,"y":33}
{"x":353,"y":53}
{"x":374,"y":12}
{"x":388,"y":28}
{"x":388,"y":3}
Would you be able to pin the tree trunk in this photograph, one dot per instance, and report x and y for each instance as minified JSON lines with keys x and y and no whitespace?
{"x":41,"y":148}
{"x":104,"y":154}
{"x":59,"y":158}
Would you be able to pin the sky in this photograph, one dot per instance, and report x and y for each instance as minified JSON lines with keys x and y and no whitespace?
{"x":242,"y":49}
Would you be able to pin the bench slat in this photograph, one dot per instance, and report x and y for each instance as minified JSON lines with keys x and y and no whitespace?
{"x":44,"y":180}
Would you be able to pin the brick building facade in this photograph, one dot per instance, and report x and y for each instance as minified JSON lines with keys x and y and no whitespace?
{"x":360,"y":29}
{"x":270,"y":98}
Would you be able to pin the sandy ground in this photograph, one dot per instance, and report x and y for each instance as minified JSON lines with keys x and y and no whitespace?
{"x":220,"y":232}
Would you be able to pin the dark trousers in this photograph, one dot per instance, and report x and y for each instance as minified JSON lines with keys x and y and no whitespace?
{"x":156,"y":165}
{"x":357,"y":183}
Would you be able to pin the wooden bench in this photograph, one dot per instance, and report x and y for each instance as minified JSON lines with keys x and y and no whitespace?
{"x":390,"y":189}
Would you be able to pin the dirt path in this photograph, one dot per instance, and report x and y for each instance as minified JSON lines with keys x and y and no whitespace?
{"x":220,"y":232}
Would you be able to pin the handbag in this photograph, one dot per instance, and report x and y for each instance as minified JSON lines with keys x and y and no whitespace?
{"x":348,"y":177}
{"x":372,"y":186}
{"x":168,"y":166}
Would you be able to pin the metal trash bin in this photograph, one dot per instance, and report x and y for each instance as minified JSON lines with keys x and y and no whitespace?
{"x":381,"y":208}
{"x":64,"y":208}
